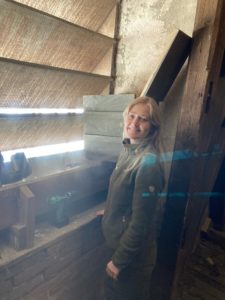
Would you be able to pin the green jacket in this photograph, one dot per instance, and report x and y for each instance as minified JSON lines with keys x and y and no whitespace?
{"x":130,"y":218}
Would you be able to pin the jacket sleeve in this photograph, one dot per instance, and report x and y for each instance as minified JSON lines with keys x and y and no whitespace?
{"x":148,"y":184}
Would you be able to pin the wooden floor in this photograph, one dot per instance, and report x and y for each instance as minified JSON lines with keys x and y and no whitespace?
{"x":204,"y":279}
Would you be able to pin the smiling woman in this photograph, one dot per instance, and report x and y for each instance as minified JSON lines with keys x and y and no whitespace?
{"x":137,"y":123}
{"x":130,"y":223}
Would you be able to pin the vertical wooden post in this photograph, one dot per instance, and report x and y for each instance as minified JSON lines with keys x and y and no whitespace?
{"x":188,"y":182}
{"x":22,"y":234}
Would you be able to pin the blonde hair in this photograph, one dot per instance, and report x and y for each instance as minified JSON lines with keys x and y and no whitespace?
{"x":151,"y":143}
{"x":152,"y":139}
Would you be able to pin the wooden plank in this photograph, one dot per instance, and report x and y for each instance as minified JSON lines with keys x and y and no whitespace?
{"x":17,"y":236}
{"x":8,"y":208}
{"x":118,"y":14}
{"x":29,"y":85}
{"x":211,"y":135}
{"x":104,"y":65}
{"x":109,"y":25}
{"x":104,"y":123}
{"x":83,"y":181}
{"x":161,"y":81}
{"x":103,"y":144}
{"x":22,"y":132}
{"x":203,"y":173}
{"x":56,"y":173}
{"x":107,"y":103}
{"x":27,"y":213}
{"x":80,"y":12}
{"x":49,"y":41}
{"x":22,"y":233}
{"x":188,"y":177}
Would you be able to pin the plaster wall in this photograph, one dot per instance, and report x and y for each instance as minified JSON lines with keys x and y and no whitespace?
{"x":147,"y":28}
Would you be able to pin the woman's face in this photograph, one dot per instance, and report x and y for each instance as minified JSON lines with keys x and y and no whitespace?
{"x":137,"y":123}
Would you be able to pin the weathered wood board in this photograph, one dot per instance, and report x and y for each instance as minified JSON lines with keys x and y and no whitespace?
{"x":8,"y":208}
{"x":49,"y":41}
{"x":108,"y":103}
{"x":31,"y":131}
{"x":34,"y":86}
{"x":80,"y":12}
{"x":104,"y":123}
{"x":161,"y":81}
{"x":103,"y":145}
{"x":84,"y":181}
{"x":192,"y":177}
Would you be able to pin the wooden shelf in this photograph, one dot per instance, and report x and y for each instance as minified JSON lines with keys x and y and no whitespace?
{"x":22,"y":201}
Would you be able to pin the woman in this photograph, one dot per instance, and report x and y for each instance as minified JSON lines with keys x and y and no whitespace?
{"x":130,"y":221}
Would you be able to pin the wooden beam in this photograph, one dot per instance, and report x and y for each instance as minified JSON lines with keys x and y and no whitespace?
{"x":211,"y":135}
{"x":205,"y":129}
{"x":8,"y":208}
{"x":187,"y":182}
{"x":22,"y":234}
{"x":161,"y":81}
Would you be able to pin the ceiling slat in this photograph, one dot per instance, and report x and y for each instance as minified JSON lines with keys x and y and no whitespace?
{"x":29,"y":36}
{"x":28,"y":86}
{"x":81,"y":12}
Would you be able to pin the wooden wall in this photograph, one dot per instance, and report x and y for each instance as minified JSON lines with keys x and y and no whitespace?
{"x":51,"y":54}
{"x":198,"y":151}
{"x":104,"y":123}
{"x":67,"y":263}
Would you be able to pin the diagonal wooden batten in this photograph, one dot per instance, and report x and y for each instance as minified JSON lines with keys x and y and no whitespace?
{"x":162,"y":79}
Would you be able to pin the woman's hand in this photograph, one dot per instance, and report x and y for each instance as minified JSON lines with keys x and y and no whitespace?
{"x":112,"y":270}
{"x":100,"y":212}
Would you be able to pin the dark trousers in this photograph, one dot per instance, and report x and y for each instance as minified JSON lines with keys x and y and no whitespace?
{"x":134,"y":281}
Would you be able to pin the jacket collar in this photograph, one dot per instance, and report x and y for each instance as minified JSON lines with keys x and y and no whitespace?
{"x":137,"y":148}
{"x":132,"y":148}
